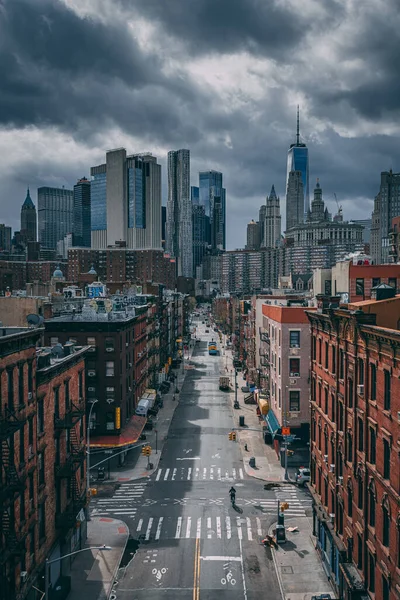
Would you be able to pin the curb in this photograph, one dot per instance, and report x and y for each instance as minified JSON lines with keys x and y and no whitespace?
{"x":111,"y":590}
{"x":278,"y":575}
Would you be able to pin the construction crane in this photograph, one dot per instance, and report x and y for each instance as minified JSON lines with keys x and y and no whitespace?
{"x":340,"y":210}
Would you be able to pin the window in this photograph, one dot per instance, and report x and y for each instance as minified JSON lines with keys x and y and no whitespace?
{"x":372,"y":369}
{"x":41,"y":468}
{"x":340,"y":424}
{"x":333,"y":352}
{"x":393,"y":282}
{"x":31,"y":488}
{"x":360,"y":371}
{"x":109,"y":368}
{"x":66,"y":395}
{"x":42,"y":521}
{"x":320,"y":352}
{"x":30,"y":432}
{"x":294,"y":367}
{"x":372,"y":445}
{"x":386,"y":459}
{"x":326,"y":440}
{"x":314,"y":348}
{"x":22,"y":445}
{"x":372,"y":506}
{"x":326,"y":355}
{"x":360,"y":287}
{"x":294,"y":401}
{"x":385,"y":526}
{"x":90,"y":341}
{"x":349,"y":440}
{"x":109,"y":344}
{"x":326,"y":400}
{"x":387,"y":391}
{"x":360,"y":424}
{"x":294,"y":339}
{"x":57,"y":402}
{"x":375,"y":281}
{"x":30,"y":377}
{"x":40,"y":416}
{"x":341,"y":364}
{"x":349,"y":501}
{"x":350,"y":394}
{"x":21,"y":385}
{"x":359,"y":551}
{"x":385,"y":588}
{"x":371,"y":572}
{"x":10,"y":382}
{"x":360,"y":499}
{"x":80,"y":384}
{"x":333,"y":407}
{"x":279,"y":365}
{"x":279,"y":398}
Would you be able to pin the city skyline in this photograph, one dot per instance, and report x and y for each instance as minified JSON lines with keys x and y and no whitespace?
{"x":231,"y":101}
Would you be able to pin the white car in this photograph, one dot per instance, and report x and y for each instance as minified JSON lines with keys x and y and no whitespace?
{"x":302,"y":476}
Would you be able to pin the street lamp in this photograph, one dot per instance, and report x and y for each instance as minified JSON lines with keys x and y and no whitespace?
{"x":88,"y":459}
{"x":59,"y":559}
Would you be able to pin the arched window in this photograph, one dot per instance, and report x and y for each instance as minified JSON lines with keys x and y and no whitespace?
{"x":371,"y":503}
{"x":385,"y":521}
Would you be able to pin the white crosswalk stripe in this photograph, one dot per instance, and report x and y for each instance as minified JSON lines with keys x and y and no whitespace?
{"x":198,"y":473}
{"x":124,"y":502}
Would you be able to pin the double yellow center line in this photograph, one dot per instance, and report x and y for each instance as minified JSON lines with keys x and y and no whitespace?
{"x":196,"y":577}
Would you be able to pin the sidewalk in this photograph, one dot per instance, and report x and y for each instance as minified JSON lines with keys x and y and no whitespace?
{"x":93,"y":573}
{"x":298,"y":566}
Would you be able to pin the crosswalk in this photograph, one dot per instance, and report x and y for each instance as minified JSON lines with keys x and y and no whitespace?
{"x":121,"y":503}
{"x":220,"y":527}
{"x":199,"y":474}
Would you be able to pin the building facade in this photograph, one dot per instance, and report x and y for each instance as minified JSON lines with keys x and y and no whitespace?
{"x":28,"y":220}
{"x":297,"y":181}
{"x":272,"y":227}
{"x":5,"y":238}
{"x":320,"y":242}
{"x":386,"y":208}
{"x":212,"y":195}
{"x":126,"y":201}
{"x":43,"y":462}
{"x":355,"y":437}
{"x":55,"y":215}
{"x":246,"y":271}
{"x":82,"y":213}
{"x":179,"y":232}
{"x":253,"y":236}
{"x":199,"y":235}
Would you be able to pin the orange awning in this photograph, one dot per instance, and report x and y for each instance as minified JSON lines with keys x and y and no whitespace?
{"x":128,"y":436}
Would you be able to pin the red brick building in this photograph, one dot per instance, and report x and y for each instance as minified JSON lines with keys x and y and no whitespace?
{"x":355,"y":445}
{"x":42,"y":460}
{"x":15,"y":274}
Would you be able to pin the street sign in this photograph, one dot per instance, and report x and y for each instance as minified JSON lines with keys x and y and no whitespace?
{"x":285,"y":430}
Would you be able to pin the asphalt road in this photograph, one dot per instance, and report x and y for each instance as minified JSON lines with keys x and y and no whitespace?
{"x":192,"y":543}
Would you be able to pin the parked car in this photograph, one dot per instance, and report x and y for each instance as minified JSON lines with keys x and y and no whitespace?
{"x":302,"y":476}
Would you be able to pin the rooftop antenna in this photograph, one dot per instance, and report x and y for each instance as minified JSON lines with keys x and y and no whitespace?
{"x":298,"y":126}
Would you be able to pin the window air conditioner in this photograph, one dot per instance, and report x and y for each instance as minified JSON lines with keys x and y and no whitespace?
{"x":360,"y":390}
{"x":91,"y":373}
{"x":340,"y":479}
{"x":109,"y":349}
{"x":293,"y":381}
{"x":325,"y":457}
{"x":331,"y":468}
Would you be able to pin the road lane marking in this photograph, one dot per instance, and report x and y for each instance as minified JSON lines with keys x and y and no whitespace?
{"x":228,"y":528}
{"x":239,"y":528}
{"x":259,"y":530}
{"x":198,"y":532}
{"x":234,"y":473}
{"x":196,"y":571}
{"x":158,"y":532}
{"x":242,"y":569}
{"x":166,"y":474}
{"x":149,"y":528}
{"x":189,"y":472}
{"x":223,"y":558}
{"x":211,"y":473}
{"x":204,"y":473}
{"x":219,"y":533}
{"x":158,"y":474}
{"x":178,"y":528}
{"x":188,"y":526}
{"x":241,"y":473}
{"x":139,"y":527}
{"x":197,"y":472}
{"x":209,"y":533}
{"x":219,"y":474}
{"x":173,"y":475}
{"x":249,"y":534}
{"x":227,"y":474}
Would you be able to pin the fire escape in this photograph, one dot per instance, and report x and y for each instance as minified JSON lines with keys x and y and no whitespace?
{"x":68,"y":467}
{"x":264,"y":359}
{"x":12,"y":541}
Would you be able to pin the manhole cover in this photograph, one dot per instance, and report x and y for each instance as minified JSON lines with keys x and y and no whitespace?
{"x":287,"y":570}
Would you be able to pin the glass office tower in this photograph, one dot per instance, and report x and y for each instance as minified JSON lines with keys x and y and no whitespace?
{"x":213,"y":198}
{"x":297,"y":160}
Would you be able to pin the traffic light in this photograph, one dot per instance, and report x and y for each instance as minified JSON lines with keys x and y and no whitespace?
{"x":146,"y":450}
{"x":118,"y":418}
{"x":290,"y":452}
{"x":232,"y":436}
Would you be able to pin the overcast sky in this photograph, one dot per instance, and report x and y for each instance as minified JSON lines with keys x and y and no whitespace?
{"x":220,"y":77}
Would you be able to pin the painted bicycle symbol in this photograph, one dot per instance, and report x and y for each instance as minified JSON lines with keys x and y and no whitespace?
{"x":159,"y":573}
{"x":229,"y":579}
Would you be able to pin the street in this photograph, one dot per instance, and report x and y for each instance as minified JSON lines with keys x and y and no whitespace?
{"x":192,"y":542}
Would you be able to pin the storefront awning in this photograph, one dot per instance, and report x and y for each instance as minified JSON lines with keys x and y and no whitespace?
{"x":128,"y":436}
{"x":263,"y":405}
{"x":272,"y":422}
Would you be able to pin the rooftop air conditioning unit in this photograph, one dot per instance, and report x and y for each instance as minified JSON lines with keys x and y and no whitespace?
{"x":360,"y":389}
{"x":331,"y":468}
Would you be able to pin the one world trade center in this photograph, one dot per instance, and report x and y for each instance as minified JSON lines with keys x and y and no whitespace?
{"x":297,"y":181}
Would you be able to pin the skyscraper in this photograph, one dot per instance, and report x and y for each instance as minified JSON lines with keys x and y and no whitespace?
{"x":261,"y":221}
{"x":55,"y":215}
{"x":297,"y":160}
{"x":82,"y":218}
{"x":386,"y":207}
{"x":272,"y":220}
{"x":179,"y":234}
{"x":294,"y":199}
{"x":213,"y":197}
{"x":28,"y":220}
{"x":126,"y":201}
{"x":199,"y":235}
{"x":5,"y":238}
{"x":253,"y":236}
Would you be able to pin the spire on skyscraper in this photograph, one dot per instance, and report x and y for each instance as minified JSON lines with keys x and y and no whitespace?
{"x":28,"y":203}
{"x":273,"y":193}
{"x":298,"y":126}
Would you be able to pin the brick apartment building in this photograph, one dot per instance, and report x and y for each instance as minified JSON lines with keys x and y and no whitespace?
{"x":42,"y":475}
{"x":355,"y":443}
{"x":16,"y":274}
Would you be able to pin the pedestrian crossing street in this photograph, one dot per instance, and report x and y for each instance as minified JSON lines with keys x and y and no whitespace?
{"x":199,"y":474}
